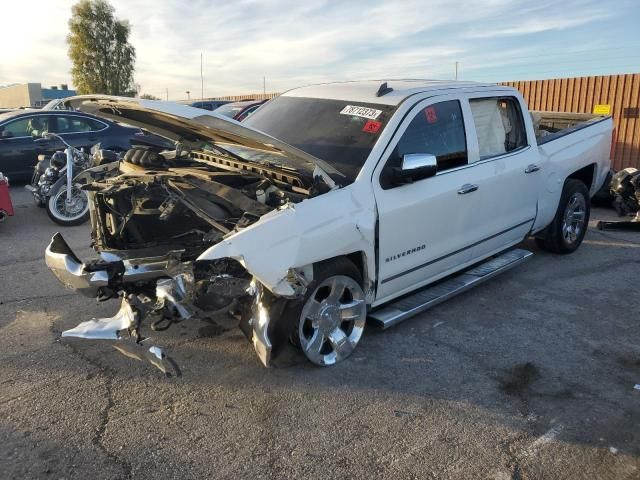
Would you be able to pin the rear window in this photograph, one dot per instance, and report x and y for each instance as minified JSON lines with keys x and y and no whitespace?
{"x":342,"y":133}
{"x":229,"y":110}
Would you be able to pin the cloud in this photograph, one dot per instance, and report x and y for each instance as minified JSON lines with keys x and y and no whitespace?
{"x":537,"y":19}
{"x":293,"y":43}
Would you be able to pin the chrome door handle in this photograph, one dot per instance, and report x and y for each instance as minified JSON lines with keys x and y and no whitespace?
{"x":532,"y":168}
{"x":467,"y":188}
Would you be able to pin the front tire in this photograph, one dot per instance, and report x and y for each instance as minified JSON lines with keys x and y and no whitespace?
{"x":75,"y":213}
{"x":329,"y":322}
{"x":569,"y":226}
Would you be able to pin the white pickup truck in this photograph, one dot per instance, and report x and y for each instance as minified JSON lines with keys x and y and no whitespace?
{"x":331,"y":204}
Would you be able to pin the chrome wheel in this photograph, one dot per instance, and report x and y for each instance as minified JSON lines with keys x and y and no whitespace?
{"x":332,"y":320}
{"x":574,"y":218}
{"x":63,"y":211}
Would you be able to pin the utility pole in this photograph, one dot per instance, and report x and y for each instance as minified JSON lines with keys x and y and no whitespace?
{"x":456,"y":70}
{"x":264,"y":86}
{"x":167,"y":94}
{"x":201,"y":79}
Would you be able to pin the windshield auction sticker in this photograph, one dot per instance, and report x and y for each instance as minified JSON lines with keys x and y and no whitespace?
{"x":371,"y":126}
{"x":364,"y":112}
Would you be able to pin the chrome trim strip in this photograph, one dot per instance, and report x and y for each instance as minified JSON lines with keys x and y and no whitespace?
{"x":431,"y":262}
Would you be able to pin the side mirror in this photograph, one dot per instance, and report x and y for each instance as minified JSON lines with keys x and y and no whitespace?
{"x":5,"y":134}
{"x":415,"y":166}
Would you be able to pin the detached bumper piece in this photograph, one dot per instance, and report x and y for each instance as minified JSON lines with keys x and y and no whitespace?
{"x":71,"y":272}
{"x":169,"y":298}
{"x":110,"y":328}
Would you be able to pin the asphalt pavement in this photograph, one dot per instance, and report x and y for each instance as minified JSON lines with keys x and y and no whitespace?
{"x":528,"y":376}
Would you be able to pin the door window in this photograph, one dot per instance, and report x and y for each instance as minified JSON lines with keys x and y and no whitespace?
{"x":499,"y":125}
{"x":28,"y":127}
{"x":77,"y":124}
{"x":437,"y":130}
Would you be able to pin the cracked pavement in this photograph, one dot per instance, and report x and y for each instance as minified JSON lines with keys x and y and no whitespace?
{"x":528,"y":376}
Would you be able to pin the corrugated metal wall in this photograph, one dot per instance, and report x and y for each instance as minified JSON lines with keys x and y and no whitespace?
{"x":582,"y":93}
{"x":250,"y":96}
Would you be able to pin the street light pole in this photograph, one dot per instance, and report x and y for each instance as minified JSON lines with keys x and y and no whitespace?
{"x":201,"y":79}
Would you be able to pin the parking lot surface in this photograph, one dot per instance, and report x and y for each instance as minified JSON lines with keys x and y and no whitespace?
{"x":529,"y":376}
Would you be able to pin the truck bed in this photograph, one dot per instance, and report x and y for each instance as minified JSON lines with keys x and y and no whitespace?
{"x":551,"y":125}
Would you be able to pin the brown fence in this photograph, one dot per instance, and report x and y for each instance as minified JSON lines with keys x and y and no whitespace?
{"x":249,"y":96}
{"x":582,"y":94}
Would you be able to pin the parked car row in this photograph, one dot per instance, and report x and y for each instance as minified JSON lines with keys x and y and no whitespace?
{"x":22,"y":137}
{"x":237,"y":110}
{"x":21,"y":132}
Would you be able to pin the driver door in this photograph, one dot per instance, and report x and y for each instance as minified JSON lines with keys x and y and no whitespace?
{"x":423,"y":225}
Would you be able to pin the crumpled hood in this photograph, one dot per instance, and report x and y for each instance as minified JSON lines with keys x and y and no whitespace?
{"x":190,"y":125}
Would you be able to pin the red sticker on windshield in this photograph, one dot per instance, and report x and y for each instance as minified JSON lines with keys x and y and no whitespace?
{"x":430,"y":113}
{"x":372,"y":126}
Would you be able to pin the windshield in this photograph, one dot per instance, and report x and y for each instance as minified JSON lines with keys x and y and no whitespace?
{"x":340,"y":132}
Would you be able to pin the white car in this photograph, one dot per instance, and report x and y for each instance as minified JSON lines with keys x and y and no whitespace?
{"x":331,"y":204}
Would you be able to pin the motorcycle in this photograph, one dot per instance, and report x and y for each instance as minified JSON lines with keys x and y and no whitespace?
{"x":54,"y":184}
{"x":6,"y":207}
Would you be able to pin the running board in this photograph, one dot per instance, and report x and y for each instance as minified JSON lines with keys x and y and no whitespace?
{"x":430,"y":296}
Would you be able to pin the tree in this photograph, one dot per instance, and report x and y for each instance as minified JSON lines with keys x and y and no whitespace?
{"x":148,"y":96}
{"x":103,"y":59}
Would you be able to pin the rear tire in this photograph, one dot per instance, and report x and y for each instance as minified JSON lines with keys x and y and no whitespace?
{"x":569,"y":226}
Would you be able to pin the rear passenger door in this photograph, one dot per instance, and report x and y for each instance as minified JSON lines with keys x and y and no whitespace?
{"x":79,"y":131}
{"x":503,"y":168}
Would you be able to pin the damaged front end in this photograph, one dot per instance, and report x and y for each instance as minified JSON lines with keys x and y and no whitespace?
{"x":218,"y":226}
{"x":149,"y":227}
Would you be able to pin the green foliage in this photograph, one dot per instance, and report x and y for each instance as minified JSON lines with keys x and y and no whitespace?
{"x":103,"y":60}
{"x":148,"y":96}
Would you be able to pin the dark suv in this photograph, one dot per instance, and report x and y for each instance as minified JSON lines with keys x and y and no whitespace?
{"x":21,"y":137}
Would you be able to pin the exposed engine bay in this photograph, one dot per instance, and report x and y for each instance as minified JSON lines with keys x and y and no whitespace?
{"x":187,"y":202}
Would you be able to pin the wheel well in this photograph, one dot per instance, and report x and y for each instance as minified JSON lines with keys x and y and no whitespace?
{"x":585,"y":175}
{"x":359,"y":260}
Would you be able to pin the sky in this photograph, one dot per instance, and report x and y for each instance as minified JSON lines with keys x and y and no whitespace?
{"x":293,"y":42}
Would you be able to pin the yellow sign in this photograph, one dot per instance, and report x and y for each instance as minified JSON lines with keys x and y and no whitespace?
{"x":602,"y":109}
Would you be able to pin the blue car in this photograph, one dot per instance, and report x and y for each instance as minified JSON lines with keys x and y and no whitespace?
{"x":21,"y":137}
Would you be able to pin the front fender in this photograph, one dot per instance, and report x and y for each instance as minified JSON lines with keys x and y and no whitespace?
{"x":327,"y":226}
